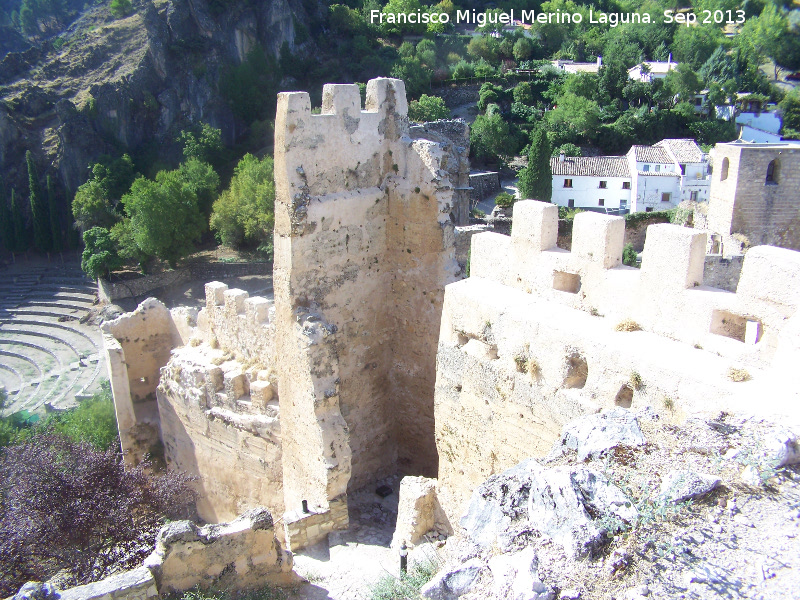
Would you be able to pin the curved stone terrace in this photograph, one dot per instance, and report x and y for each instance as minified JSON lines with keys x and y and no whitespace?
{"x":49,"y":350}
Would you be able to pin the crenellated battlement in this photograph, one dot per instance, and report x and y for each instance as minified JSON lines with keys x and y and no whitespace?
{"x":241,"y":325}
{"x":666,"y":296}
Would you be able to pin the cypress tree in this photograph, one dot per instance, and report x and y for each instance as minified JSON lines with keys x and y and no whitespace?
{"x":20,"y":239}
{"x":6,"y":225}
{"x":55,"y":222}
{"x":41,"y":221}
{"x":536,"y":180}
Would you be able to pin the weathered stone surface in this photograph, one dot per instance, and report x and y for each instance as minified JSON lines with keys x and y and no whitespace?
{"x":562,"y":502}
{"x":137,"y":584}
{"x":241,"y":554}
{"x":454,"y":582}
{"x":592,"y":435}
{"x":678,"y":486}
{"x":516,"y":577}
{"x":418,"y":511}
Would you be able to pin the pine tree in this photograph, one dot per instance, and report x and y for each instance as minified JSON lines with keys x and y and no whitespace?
{"x":20,"y":239}
{"x":6,"y":224}
{"x":55,"y":222}
{"x":41,"y":221}
{"x":536,"y":180}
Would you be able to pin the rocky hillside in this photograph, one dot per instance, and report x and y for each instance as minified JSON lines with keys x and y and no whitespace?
{"x":630,"y":506}
{"x":109,"y":85}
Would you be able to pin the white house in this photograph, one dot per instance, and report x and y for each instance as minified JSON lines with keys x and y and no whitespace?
{"x":692,"y":163}
{"x":655,"y":179}
{"x":600,"y":183}
{"x":647,"y":178}
{"x":652,"y":70}
{"x":572,"y":67}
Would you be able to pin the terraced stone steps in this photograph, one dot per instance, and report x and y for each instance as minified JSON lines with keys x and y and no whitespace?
{"x":48,"y":355}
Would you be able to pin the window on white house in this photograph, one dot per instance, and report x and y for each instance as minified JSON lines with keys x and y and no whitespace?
{"x":626,"y":185}
{"x":571,"y":203}
{"x":666,"y":197}
{"x":658,"y":168}
{"x":568,"y":183}
{"x":603,"y":185}
{"x":646,"y":168}
{"x":601,"y":202}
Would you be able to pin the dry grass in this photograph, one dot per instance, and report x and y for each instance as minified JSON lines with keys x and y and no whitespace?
{"x":738,"y":375}
{"x":627,"y":325}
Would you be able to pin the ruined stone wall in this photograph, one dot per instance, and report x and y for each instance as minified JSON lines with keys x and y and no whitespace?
{"x":746,"y":203}
{"x":723,"y":272}
{"x":363,"y":248}
{"x":137,"y":345}
{"x":483,"y":185}
{"x":218,"y":406}
{"x":529,"y":343}
{"x":241,"y":555}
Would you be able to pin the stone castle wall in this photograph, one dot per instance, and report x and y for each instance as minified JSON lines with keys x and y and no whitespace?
{"x":744,"y":202}
{"x":331,"y":386}
{"x":363,"y":248}
{"x":529,"y":343}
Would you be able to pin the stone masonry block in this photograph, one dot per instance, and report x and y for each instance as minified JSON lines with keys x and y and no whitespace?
{"x":215,"y":291}
{"x":536,"y":223}
{"x":234,"y":301}
{"x":340,"y":99}
{"x":771,"y":274}
{"x":674,"y":257}
{"x":378,"y":92}
{"x":598,"y":238}
{"x":257,"y":310}
{"x":488,"y":256}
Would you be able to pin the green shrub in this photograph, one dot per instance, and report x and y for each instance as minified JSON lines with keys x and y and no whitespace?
{"x":407,"y":587}
{"x":629,"y":255}
{"x":504,"y":200}
{"x":121,"y":8}
{"x":94,"y":421}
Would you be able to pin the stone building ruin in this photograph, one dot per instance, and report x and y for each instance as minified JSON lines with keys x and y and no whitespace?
{"x":291,"y":404}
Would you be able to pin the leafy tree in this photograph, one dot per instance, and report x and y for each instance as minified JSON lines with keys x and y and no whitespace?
{"x":523,"y":93}
{"x":568,"y":150}
{"x":41,"y":220}
{"x":114,"y":175}
{"x":91,"y":207}
{"x":790,"y":106}
{"x":581,"y":84}
{"x":121,"y":8}
{"x":489,"y":94}
{"x":204,"y":143}
{"x":416,"y":76}
{"x":523,"y":49}
{"x":202,"y":179}
{"x":99,"y":256}
{"x":426,"y":53}
{"x":55,"y":222}
{"x":125,"y":244}
{"x":244,"y":214}
{"x":445,"y":6}
{"x":165,"y":218}
{"x":761,"y":37}
{"x":536,"y":180}
{"x":719,"y":67}
{"x":72,"y":508}
{"x":251,"y":86}
{"x":575,"y":112}
{"x":684,"y":82}
{"x":427,"y":108}
{"x":693,"y":45}
{"x":463,"y":70}
{"x":344,"y":21}
{"x":397,"y":7}
{"x":489,"y":138}
{"x":484,"y":47}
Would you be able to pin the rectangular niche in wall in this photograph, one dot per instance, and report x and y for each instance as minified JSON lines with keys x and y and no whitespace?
{"x":566,"y":282}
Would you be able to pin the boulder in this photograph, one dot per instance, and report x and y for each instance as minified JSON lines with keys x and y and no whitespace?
{"x":454,"y":582}
{"x":678,"y":486}
{"x":516,"y":577}
{"x":564,"y":503}
{"x":592,"y":435}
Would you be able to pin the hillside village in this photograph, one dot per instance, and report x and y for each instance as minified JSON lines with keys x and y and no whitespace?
{"x":521,"y":327}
